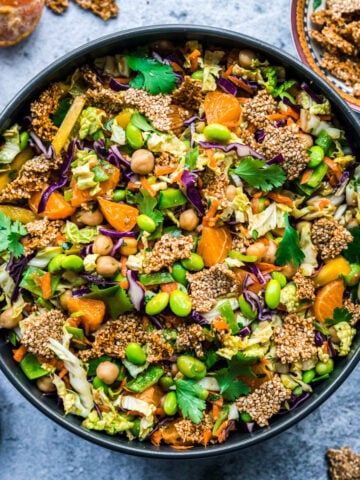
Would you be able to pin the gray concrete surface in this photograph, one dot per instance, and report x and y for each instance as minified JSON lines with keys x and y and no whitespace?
{"x":33,"y":447}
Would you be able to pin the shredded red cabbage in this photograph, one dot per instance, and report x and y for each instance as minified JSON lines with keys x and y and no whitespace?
{"x":38,"y":145}
{"x":187,"y":184}
{"x":344,"y":177}
{"x":248,"y":281}
{"x":250,"y":83}
{"x":16,"y":269}
{"x":136,"y":293}
{"x":244,"y":332}
{"x":277,"y":159}
{"x":260,"y":135}
{"x":227,"y":86}
{"x":115,"y":234}
{"x":86,"y":250}
{"x":80,"y":292}
{"x":192,"y":132}
{"x":318,"y":339}
{"x":97,"y":280}
{"x":198,"y":318}
{"x":289,"y":103}
{"x":247,"y":426}
{"x":194,"y":118}
{"x":280,"y":123}
{"x":253,"y":300}
{"x":241,"y":150}
{"x":332,"y":350}
{"x":304,"y":86}
{"x":116,"y":247}
{"x":51,"y":188}
{"x":155,"y":321}
{"x":294,"y":402}
{"x":116,"y":158}
{"x":99,"y":147}
{"x":118,"y":86}
{"x":256,"y":271}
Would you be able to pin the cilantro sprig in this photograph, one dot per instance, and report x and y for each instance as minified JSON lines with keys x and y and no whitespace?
{"x":289,"y":248}
{"x":189,"y":395}
{"x":352,"y":252}
{"x":146,"y":205}
{"x":10,"y":235}
{"x":152,"y":75}
{"x":259,"y":175}
{"x":230,"y":387}
{"x":339,"y":315}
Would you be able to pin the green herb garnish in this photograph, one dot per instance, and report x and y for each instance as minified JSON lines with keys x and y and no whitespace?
{"x":257,"y":174}
{"x":289,"y":248}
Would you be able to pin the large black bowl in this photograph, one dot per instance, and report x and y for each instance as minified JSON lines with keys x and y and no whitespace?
{"x":111,"y":45}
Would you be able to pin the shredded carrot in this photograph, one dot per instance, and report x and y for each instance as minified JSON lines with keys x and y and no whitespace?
{"x":211,"y":213}
{"x":324,"y":203}
{"x":156,"y":438}
{"x":289,"y":121}
{"x":124,"y":284}
{"x":145,"y":321}
{"x":207,"y":435}
{"x":241,"y":84}
{"x":168,"y":287}
{"x":147,"y":186}
{"x":220,"y":325}
{"x":164,"y":170}
{"x":324,"y":117}
{"x":290,"y":112}
{"x":73,"y":321}
{"x":177,"y":177}
{"x":228,"y":71}
{"x":45,"y":285}
{"x":194,"y":59}
{"x":215,"y":411}
{"x":123,"y":267}
{"x":211,"y":156}
{"x":306,"y":176}
{"x":278,"y":197}
{"x":334,"y":167}
{"x":176,"y":67}
{"x":19,"y":353}
{"x":257,"y":194}
{"x":133,"y":186}
{"x":264,"y":360}
{"x":104,"y":408}
{"x":275,"y":117}
{"x":268,"y":267}
{"x":160,"y":411}
{"x":221,"y":429}
{"x":60,"y":238}
{"x":63,"y":372}
{"x":182,"y":447}
{"x":122,"y":79}
{"x":255,"y":205}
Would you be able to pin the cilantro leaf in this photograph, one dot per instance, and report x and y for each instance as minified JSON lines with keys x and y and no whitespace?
{"x":271,"y":79}
{"x":146,"y":205}
{"x":10,"y":235}
{"x":352,"y":252}
{"x":155,"y":76}
{"x":316,"y":4}
{"x":59,"y":115}
{"x":257,"y":174}
{"x":281,"y":92}
{"x":339,"y":315}
{"x":226,"y":377}
{"x":187,"y":394}
{"x":235,"y":390}
{"x":289,"y":248}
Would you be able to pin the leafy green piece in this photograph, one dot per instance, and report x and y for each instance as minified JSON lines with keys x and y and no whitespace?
{"x":227,"y":377}
{"x":10,"y":235}
{"x":228,"y":315}
{"x":100,"y":175}
{"x":289,"y":248}
{"x":30,"y":281}
{"x":146,"y":205}
{"x":191,"y":158}
{"x":257,"y":174}
{"x":77,"y":235}
{"x":61,"y":111}
{"x":316,"y":4}
{"x":189,"y":395}
{"x":154,"y":76}
{"x":140,"y":122}
{"x":271,"y":79}
{"x":339,"y":315}
{"x":281,"y":90}
{"x":352,"y":252}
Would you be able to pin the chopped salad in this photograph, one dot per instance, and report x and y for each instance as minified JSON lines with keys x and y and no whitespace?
{"x":179,"y":235}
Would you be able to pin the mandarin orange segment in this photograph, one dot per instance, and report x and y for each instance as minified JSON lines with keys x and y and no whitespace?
{"x":214,"y":245}
{"x":57,"y":208}
{"x":222,"y":108}
{"x":92,"y":312}
{"x":120,"y":216}
{"x":327,"y":299}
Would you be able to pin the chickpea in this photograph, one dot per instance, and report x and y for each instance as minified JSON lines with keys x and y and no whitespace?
{"x":189,"y":220}
{"x":64,"y":299}
{"x":288,"y":270}
{"x":90,"y":218}
{"x":102,"y":245}
{"x":7,"y":319}
{"x":107,"y":266}
{"x":45,"y":384}
{"x":306,"y":140}
{"x":107,"y":372}
{"x":230,"y":192}
{"x":129,"y":246}
{"x":269,"y":256}
{"x":246,"y":57}
{"x":257,"y":249}
{"x":142,"y":161}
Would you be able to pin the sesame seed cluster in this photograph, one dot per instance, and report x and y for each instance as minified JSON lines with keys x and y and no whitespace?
{"x":330,"y":237}
{"x":166,"y":251}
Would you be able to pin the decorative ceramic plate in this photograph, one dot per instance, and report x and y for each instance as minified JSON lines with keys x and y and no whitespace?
{"x":311,"y":53}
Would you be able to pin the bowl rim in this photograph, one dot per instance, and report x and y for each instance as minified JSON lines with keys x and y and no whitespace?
{"x":221,"y":36}
{"x":301,"y":42}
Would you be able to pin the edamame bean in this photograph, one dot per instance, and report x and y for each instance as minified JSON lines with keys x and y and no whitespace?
{"x":72,"y":262}
{"x":134,"y":136}
{"x":218,"y":132}
{"x":198,"y":75}
{"x":55,"y":264}
{"x":246,"y":309}
{"x":146,"y":223}
{"x":323,"y":368}
{"x":24,"y":138}
{"x":157,"y":303}
{"x":280,"y":277}
{"x":119,"y":195}
{"x":272,"y":294}
{"x":97,"y":383}
{"x":245,"y":417}
{"x":179,"y":273}
{"x":195,"y":263}
{"x":353,"y":277}
{"x":191,"y":367}
{"x":180,"y":303}
{"x":308,"y":376}
{"x":170,"y":404}
{"x":135,"y":354}
{"x":166,"y":382}
{"x":316,"y":154}
{"x":297,"y":390}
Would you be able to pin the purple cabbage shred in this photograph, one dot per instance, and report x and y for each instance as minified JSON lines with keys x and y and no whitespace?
{"x":241,"y":150}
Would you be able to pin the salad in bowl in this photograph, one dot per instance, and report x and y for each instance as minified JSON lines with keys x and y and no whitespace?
{"x":179,"y":242}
